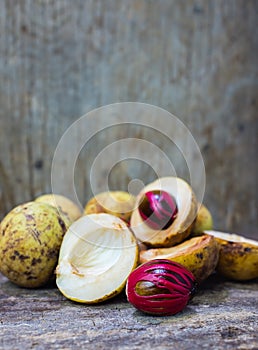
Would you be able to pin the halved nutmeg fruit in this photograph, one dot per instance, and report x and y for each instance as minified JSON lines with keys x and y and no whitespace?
{"x":117,"y":203}
{"x":164,"y":212}
{"x":199,"y":255}
{"x":238,"y":259}
{"x":97,"y":255}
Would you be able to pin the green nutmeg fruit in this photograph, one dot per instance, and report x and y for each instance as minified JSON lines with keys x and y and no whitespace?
{"x":30,"y":238}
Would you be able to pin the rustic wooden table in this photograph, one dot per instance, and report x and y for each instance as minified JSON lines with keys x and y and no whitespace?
{"x":196,"y":59}
{"x":223,"y":315}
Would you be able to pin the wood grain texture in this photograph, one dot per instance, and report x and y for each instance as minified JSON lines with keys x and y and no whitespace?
{"x":196,"y":59}
{"x":221,"y":316}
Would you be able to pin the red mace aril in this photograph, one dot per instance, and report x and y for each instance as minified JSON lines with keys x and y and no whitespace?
{"x":158,"y":209}
{"x":160,"y":287}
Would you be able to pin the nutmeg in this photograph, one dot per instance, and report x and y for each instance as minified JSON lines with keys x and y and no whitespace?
{"x":160,"y":287}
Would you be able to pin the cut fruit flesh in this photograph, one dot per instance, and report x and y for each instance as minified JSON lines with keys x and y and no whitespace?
{"x":230,"y":237}
{"x":97,"y":254}
{"x":199,"y":255}
{"x":181,"y":226}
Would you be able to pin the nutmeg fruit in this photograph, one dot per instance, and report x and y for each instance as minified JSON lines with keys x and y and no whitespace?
{"x":66,"y":207}
{"x":203,"y":221}
{"x":176,"y":205}
{"x":97,"y":255}
{"x":199,"y":255}
{"x":158,"y":209}
{"x":238,"y":258}
{"x":30,"y":238}
{"x":160,"y":287}
{"x":117,"y":203}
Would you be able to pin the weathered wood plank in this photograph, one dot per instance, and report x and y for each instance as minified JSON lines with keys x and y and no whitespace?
{"x":197,"y":59}
{"x":222,"y":315}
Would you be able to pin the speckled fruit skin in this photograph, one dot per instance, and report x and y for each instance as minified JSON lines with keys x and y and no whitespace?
{"x":65,"y":206}
{"x":30,"y":238}
{"x":238,"y":260}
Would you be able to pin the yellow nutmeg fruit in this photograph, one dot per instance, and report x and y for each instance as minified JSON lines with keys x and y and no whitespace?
{"x":64,"y":205}
{"x":203,"y":221}
{"x":30,"y":238}
{"x":238,"y":259}
{"x":117,"y":203}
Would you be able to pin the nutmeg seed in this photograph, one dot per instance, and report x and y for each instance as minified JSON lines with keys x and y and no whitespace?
{"x":158,"y":209}
{"x":160,"y":287}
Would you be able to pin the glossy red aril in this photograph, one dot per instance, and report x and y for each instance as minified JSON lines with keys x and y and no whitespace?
{"x":158,"y":209}
{"x":160,"y":287}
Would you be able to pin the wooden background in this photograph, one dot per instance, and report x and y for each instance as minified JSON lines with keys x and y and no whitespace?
{"x":197,"y":59}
